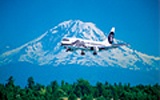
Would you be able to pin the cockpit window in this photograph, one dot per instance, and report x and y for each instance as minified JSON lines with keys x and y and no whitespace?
{"x":65,"y":39}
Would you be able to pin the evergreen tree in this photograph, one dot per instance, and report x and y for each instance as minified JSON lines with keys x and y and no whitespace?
{"x":100,"y":88}
{"x":31,"y":82}
{"x":72,"y":96}
{"x":82,"y":88}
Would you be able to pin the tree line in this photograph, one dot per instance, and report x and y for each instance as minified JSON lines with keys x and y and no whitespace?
{"x":81,"y":89}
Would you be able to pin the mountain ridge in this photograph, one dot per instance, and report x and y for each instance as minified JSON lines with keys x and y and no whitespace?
{"x":46,"y":50}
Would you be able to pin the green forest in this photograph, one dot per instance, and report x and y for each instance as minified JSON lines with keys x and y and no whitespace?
{"x":79,"y":90}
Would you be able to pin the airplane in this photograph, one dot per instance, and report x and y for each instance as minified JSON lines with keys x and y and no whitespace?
{"x":72,"y":44}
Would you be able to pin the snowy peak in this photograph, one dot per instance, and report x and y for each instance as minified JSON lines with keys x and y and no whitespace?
{"x":79,"y":29}
{"x":46,"y":50}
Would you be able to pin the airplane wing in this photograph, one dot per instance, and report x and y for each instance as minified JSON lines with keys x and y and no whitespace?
{"x":111,"y":47}
{"x":78,"y":43}
{"x":117,"y":45}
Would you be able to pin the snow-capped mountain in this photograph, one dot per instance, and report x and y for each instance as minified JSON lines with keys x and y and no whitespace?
{"x":46,"y":50}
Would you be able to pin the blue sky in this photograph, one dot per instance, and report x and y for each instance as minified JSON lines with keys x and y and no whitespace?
{"x":136,"y":21}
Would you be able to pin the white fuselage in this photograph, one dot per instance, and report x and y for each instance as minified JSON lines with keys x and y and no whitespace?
{"x":87,"y":43}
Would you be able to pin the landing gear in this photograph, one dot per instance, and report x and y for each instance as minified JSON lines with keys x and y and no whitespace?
{"x":94,"y":53}
{"x":82,"y":52}
{"x":95,"y":50}
{"x":92,"y":48}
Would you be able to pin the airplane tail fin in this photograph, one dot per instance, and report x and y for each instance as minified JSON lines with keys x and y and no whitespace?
{"x":111,"y":35}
